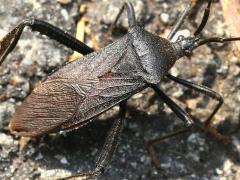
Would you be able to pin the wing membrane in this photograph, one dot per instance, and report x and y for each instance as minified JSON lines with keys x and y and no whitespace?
{"x":49,"y":105}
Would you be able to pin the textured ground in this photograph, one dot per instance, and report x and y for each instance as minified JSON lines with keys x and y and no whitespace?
{"x":194,"y":155}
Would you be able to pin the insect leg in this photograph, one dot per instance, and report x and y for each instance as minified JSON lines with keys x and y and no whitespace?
{"x":174,"y":107}
{"x":8,"y":43}
{"x":152,"y":143}
{"x":185,"y":13}
{"x":179,"y":22}
{"x":208,"y":92}
{"x":131,"y":16}
{"x":179,"y":112}
{"x":109,"y":147}
{"x":204,"y":19}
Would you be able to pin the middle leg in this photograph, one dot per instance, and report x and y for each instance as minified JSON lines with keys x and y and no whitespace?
{"x":184,"y":116}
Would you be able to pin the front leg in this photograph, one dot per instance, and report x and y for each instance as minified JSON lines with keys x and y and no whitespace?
{"x":131,"y":16}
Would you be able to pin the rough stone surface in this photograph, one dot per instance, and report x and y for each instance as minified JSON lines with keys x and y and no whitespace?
{"x":193,"y":155}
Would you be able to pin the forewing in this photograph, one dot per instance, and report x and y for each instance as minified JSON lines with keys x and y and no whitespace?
{"x":46,"y":108}
{"x":79,"y":91}
{"x":57,"y":105}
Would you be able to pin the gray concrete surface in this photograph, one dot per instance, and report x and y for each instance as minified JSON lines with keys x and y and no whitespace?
{"x":194,"y":155}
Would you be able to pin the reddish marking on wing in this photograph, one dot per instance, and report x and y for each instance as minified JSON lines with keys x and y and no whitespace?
{"x":107,"y":75}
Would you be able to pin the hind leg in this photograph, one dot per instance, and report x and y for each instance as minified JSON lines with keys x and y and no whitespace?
{"x":108,"y":149}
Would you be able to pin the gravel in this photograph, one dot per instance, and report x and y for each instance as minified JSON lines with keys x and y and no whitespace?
{"x":193,"y":155}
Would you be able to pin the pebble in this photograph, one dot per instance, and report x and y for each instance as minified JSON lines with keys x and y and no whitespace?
{"x":192,"y":138}
{"x":133,"y":164}
{"x":174,"y":71}
{"x":57,"y":173}
{"x":223,"y":70}
{"x":193,"y":156}
{"x":61,"y":158}
{"x":39,"y":156}
{"x":137,"y":96}
{"x":164,"y":18}
{"x":178,"y":93}
{"x":236,"y":142}
{"x":6,"y":140}
{"x":7,"y":146}
{"x":6,"y":109}
{"x":64,"y":160}
{"x":94,"y":152}
{"x":219,"y":171}
{"x":64,"y":1}
{"x":227,"y":166}
{"x":65,"y":14}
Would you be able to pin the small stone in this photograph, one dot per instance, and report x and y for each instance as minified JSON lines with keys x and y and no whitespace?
{"x":236,"y":143}
{"x":6,"y":109}
{"x":201,"y":141}
{"x":192,"y":103}
{"x":223,"y":70}
{"x":2,"y":33}
{"x":48,"y":174}
{"x":160,"y":1}
{"x":193,"y":176}
{"x":133,"y":164}
{"x":64,"y":160}
{"x":164,"y":18}
{"x":174,"y":71}
{"x":237,"y":71}
{"x":16,"y":79}
{"x":227,"y":166}
{"x":65,"y":14}
{"x":145,"y":159}
{"x":64,"y":1}
{"x":165,"y":165}
{"x":193,"y":138}
{"x":181,"y":167}
{"x":194,"y":156}
{"x":219,"y":171}
{"x":201,"y":149}
{"x":178,"y":93}
{"x":39,"y":156}
{"x":138,"y":95}
{"x":7,"y":145}
{"x":165,"y":5}
{"x":94,"y":152}
{"x":6,"y":140}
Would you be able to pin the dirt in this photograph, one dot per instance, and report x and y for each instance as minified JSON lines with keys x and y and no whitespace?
{"x":193,"y":155}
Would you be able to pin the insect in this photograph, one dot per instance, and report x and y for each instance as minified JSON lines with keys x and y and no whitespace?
{"x":79,"y":91}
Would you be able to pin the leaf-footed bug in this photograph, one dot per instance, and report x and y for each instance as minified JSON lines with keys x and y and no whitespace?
{"x":81,"y":90}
